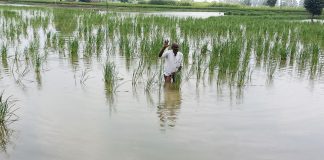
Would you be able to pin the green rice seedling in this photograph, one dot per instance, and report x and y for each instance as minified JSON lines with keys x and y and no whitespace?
{"x":293,"y":51}
{"x":89,"y":47}
{"x":54,"y":41}
{"x":266,"y":49}
{"x":110,"y":77}
{"x":243,"y":72}
{"x":74,"y":47}
{"x":33,"y":48}
{"x":213,"y":60}
{"x":303,"y":58}
{"x":48,"y":40}
{"x":314,"y":50}
{"x":4,"y":56}
{"x":61,"y":43}
{"x":7,"y":109}
{"x":177,"y":80}
{"x":4,"y":52}
{"x":284,"y":52}
{"x":271,"y":71}
{"x":258,"y":51}
{"x":249,"y":45}
{"x":26,"y":55}
{"x":38,"y":63}
{"x":185,"y":48}
{"x":138,"y":72}
{"x":99,"y":40}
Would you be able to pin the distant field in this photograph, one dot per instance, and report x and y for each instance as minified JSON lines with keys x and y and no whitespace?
{"x":228,"y":9}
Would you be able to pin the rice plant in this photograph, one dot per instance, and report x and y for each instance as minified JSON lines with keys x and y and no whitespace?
{"x":4,"y":56}
{"x":74,"y":47}
{"x":38,"y":63}
{"x":177,"y":79}
{"x":7,"y":110}
{"x":110,"y":77}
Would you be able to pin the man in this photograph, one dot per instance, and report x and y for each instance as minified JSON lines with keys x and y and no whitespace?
{"x":173,"y":61}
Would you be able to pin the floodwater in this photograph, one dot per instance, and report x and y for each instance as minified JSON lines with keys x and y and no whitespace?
{"x":187,"y":14}
{"x":171,"y":14}
{"x":314,"y":20}
{"x":15,"y":5}
{"x":65,"y":111}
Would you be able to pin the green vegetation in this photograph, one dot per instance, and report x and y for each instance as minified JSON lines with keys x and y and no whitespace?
{"x":223,"y":50}
{"x":7,"y":116}
{"x":110,"y":76}
{"x":6,"y":110}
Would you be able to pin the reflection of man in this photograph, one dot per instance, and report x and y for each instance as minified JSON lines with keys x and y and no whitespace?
{"x":173,"y":61}
{"x":168,"y":110}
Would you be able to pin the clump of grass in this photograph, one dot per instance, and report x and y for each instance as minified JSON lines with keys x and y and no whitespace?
{"x":7,"y":110}
{"x":110,"y":76}
{"x":4,"y":51}
{"x":99,"y":41}
{"x":74,"y":46}
{"x":138,"y":72}
{"x":7,"y":116}
{"x":38,"y":63}
{"x":4,"y":56}
{"x":177,"y":80}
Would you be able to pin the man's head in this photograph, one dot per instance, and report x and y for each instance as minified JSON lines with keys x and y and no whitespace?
{"x":175,"y":47}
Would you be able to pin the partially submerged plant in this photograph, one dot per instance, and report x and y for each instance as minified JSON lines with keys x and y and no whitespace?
{"x":7,"y":109}
{"x":177,"y":80}
{"x":74,"y":46}
{"x":110,"y":77}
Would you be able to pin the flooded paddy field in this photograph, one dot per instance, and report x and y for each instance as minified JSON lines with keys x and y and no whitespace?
{"x":89,"y":85}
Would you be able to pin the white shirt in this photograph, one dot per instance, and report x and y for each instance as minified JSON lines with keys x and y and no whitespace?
{"x":172,"y":62}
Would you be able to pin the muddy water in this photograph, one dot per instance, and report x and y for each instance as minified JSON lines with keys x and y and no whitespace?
{"x":64,"y":116}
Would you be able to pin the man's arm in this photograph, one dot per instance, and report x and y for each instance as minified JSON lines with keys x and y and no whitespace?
{"x":165,"y":45}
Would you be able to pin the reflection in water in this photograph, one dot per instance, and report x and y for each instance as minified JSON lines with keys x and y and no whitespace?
{"x":168,"y":110}
{"x":39,"y":80}
{"x":5,"y":134}
{"x":110,"y":97}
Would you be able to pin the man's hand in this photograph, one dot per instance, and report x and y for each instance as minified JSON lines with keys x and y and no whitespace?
{"x":166,"y":44}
